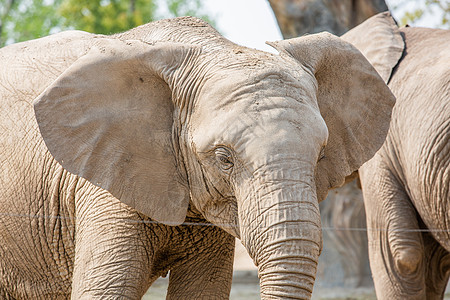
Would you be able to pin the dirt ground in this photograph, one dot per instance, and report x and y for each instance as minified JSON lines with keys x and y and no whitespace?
{"x":247,"y":287}
{"x":246,"y":284}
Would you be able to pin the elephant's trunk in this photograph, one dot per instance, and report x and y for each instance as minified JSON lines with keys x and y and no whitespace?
{"x":280,"y":227}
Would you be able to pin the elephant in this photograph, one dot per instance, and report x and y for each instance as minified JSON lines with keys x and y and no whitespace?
{"x":132,"y":156}
{"x":406,"y":184}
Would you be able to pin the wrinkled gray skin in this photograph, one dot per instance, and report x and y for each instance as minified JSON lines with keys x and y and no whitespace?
{"x":406,"y":184}
{"x":109,"y":144}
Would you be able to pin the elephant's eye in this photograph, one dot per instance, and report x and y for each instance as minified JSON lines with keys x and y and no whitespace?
{"x":224,"y":157}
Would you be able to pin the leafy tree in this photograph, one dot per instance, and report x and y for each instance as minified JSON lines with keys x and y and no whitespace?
{"x":26,"y":19}
{"x":437,"y":10}
{"x":106,"y":16}
{"x":5,"y":8}
{"x":22,"y":20}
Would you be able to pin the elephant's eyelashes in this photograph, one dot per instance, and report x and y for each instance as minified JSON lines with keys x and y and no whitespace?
{"x":224,"y":158}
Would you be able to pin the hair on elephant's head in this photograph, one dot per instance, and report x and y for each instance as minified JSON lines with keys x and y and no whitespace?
{"x":252,"y":140}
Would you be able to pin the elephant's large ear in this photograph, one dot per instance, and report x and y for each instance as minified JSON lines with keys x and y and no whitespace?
{"x":353,"y":99}
{"x":380,"y":41}
{"x":108,"y":118}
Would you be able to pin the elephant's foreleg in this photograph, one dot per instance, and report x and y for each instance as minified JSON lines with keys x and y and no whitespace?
{"x":207,"y":269}
{"x":112,"y":259}
{"x":396,"y":249}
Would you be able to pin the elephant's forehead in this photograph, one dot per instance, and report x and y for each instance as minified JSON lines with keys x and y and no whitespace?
{"x":228,"y":87}
{"x":255,"y":101}
{"x":247,"y":119}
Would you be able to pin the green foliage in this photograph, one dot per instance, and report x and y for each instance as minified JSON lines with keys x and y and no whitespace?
{"x":411,"y":16}
{"x":106,"y":16}
{"x":26,"y":19}
{"x":21,"y":20}
{"x":439,"y":9}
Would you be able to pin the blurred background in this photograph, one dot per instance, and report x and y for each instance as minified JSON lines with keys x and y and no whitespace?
{"x":343,"y":271}
{"x":248,"y":22}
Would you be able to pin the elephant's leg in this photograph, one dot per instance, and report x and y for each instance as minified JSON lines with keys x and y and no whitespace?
{"x":396,"y":249}
{"x":207,"y":270}
{"x":111,"y":255}
{"x":438,"y":267}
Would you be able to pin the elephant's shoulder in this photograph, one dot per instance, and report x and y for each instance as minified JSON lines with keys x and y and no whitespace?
{"x":426,"y":46}
{"x":425,"y":65}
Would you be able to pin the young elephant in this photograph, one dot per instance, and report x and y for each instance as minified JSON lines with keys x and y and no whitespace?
{"x":406,"y":184}
{"x":137,"y":141}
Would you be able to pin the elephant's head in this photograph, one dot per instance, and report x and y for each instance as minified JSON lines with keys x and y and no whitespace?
{"x":253,"y":141}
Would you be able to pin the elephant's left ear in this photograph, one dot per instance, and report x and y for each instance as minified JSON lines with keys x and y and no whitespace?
{"x":109,"y":119}
{"x":353,"y":99}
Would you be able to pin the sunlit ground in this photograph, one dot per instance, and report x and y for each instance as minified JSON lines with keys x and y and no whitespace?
{"x":248,"y":289}
{"x":246,"y":284}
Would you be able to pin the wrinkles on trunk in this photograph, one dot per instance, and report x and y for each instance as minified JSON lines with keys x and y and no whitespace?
{"x":287,"y":265}
{"x":280,"y":227}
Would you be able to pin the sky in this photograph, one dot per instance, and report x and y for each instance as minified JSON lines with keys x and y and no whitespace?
{"x":251,"y":22}
{"x":246,"y":22}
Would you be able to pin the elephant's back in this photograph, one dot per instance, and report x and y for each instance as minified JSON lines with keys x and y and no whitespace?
{"x":29,"y":67}
{"x":420,"y":126}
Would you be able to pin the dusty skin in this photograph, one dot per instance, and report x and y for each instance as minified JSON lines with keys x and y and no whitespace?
{"x":406,"y":184}
{"x":115,"y":148}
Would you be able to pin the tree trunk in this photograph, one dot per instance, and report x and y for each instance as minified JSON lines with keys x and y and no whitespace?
{"x":298,"y":17}
{"x":344,"y":220}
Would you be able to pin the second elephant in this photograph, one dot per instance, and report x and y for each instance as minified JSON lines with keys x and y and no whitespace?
{"x":406,"y":184}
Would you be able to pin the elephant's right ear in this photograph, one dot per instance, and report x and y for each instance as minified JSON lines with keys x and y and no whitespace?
{"x":108,"y":118}
{"x":379,"y":39}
